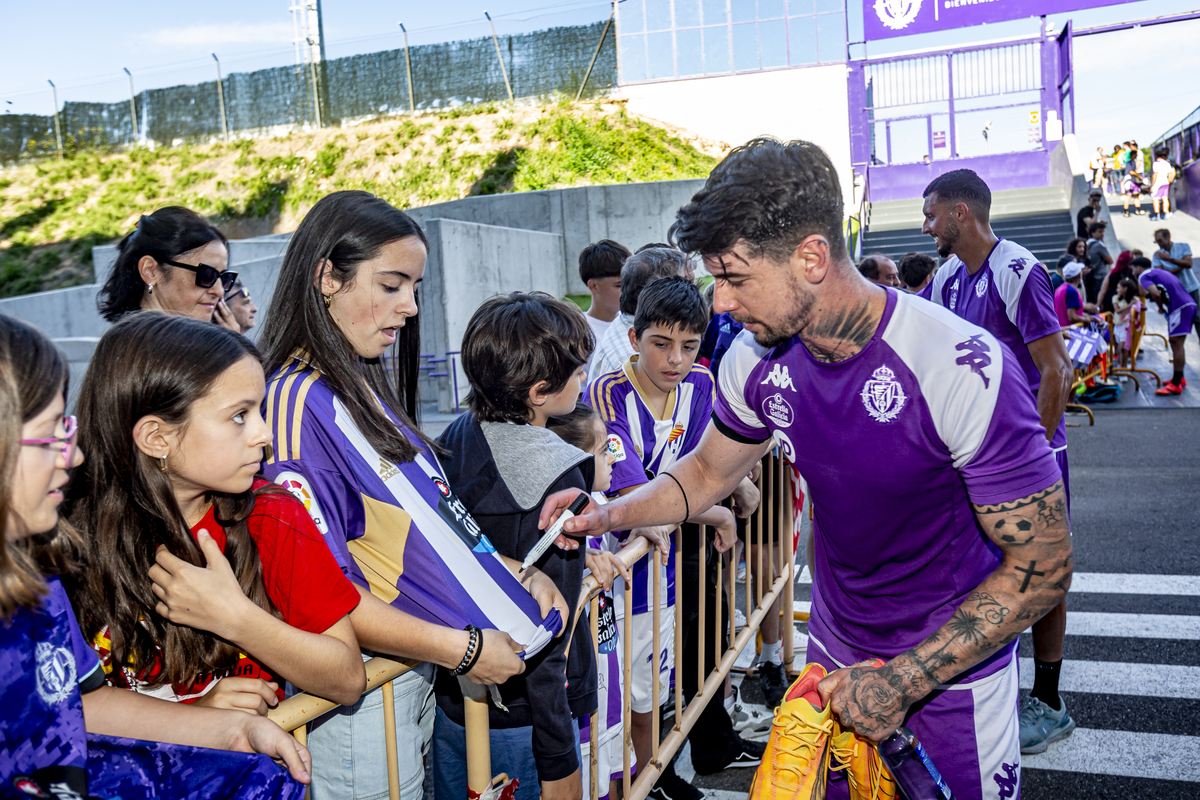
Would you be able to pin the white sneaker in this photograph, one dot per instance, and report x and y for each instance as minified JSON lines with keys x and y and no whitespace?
{"x":750,"y":721}
{"x":739,"y":619}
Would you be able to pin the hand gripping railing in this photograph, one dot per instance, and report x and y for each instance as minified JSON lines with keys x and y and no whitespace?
{"x":774,"y":567}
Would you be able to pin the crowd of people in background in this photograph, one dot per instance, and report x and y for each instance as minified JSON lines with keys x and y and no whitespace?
{"x":1129,"y":172}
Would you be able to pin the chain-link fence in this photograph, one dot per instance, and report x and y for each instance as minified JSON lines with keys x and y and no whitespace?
{"x":346,"y":89}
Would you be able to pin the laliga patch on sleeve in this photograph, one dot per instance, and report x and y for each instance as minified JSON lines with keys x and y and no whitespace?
{"x":299,"y":486}
{"x":616,"y":448}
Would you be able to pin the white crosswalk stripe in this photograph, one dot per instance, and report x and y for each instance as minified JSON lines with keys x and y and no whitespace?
{"x":1092,"y":751}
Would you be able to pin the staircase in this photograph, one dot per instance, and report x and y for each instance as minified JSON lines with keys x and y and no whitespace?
{"x":1039,"y":220}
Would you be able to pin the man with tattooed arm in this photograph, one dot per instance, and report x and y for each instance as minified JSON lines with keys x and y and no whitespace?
{"x":940,"y":518}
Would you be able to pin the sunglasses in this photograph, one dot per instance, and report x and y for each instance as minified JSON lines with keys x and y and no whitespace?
{"x":206,"y":276}
{"x":66,"y":441}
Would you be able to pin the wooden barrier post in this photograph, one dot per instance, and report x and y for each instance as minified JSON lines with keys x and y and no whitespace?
{"x":594,"y":729}
{"x":627,"y":699}
{"x":700,"y":621}
{"x":677,"y":645}
{"x":656,"y":662}
{"x":389,"y":738}
{"x":479,"y":743}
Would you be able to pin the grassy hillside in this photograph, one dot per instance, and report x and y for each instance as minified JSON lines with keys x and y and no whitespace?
{"x":52,"y":212}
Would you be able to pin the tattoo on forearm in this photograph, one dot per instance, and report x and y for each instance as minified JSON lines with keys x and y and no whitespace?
{"x":991,"y":608}
{"x":1029,"y":573}
{"x":1020,"y":532}
{"x":1051,"y":513}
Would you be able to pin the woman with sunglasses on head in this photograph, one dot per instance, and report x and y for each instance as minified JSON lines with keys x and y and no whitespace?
{"x":173,"y":261}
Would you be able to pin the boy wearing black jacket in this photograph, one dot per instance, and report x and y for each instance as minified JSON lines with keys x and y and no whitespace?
{"x":523,"y":355}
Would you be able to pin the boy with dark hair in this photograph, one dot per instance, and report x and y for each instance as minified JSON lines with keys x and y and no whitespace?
{"x":523,"y":354}
{"x":916,"y":271}
{"x":656,"y":408}
{"x":644,"y":266}
{"x":600,"y":270}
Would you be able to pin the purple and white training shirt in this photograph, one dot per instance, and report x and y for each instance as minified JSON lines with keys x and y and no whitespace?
{"x":1010,"y":296}
{"x":896,"y":443}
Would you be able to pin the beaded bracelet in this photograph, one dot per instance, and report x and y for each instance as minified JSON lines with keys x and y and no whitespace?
{"x":474,"y":648}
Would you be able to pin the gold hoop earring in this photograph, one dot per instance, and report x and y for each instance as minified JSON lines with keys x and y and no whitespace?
{"x":162,"y":465}
{"x":327,"y":300}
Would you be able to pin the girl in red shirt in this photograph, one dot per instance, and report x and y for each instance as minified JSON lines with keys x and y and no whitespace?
{"x":201,"y":582}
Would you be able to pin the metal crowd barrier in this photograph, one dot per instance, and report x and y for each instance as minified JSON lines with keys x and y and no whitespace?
{"x":775,"y":567}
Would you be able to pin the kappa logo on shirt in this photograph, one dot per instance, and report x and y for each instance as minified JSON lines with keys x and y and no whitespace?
{"x":975,"y":356}
{"x":779,"y":378}
{"x":981,"y":287}
{"x":954,"y":294}
{"x":615,"y":447}
{"x":1006,"y":785}
{"x":883,"y":395}
{"x":1018,"y":264}
{"x":778,"y":410}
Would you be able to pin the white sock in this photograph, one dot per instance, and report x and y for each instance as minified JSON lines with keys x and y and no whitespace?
{"x":729,"y":702}
{"x":771,"y":653}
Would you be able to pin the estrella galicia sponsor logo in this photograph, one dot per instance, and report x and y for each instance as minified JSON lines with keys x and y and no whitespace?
{"x":897,"y":14}
{"x":981,"y":287}
{"x":975,"y":355}
{"x":778,"y":410}
{"x":779,"y":378}
{"x":883,"y":396}
{"x":55,"y":673}
{"x":298,"y":485}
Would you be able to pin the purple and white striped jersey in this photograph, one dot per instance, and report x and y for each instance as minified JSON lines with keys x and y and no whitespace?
{"x":1009,"y":296}
{"x":645,"y":445}
{"x":896,"y":443}
{"x":396,"y":529}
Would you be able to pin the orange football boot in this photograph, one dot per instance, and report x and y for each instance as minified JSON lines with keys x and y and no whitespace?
{"x":796,"y":762}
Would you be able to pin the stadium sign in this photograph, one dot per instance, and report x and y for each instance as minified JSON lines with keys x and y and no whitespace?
{"x":883,"y":19}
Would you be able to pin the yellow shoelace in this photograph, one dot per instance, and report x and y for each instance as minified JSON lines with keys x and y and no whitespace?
{"x":842,"y":756}
{"x":804,"y":734}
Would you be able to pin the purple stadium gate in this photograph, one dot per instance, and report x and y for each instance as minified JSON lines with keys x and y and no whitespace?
{"x":914,"y":117}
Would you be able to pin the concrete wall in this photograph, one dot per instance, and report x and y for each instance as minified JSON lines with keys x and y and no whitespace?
{"x":631,"y":213}
{"x":468,"y":263}
{"x":804,"y":103}
{"x":1067,"y":168}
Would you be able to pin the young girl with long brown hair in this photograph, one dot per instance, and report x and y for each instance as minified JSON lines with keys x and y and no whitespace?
{"x":59,"y":722}
{"x":202,"y":583}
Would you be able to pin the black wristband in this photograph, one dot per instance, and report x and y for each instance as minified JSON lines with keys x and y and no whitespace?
{"x":478,"y":650}
{"x":687,"y":509}
{"x":474,"y":645}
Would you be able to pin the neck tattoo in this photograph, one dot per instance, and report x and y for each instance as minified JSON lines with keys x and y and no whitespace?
{"x":841,"y":334}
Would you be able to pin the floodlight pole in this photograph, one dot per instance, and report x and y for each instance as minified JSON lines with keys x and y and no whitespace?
{"x":412,"y":103}
{"x":496,"y":42}
{"x":221,"y":98}
{"x":132,"y":106}
{"x":57,"y":130}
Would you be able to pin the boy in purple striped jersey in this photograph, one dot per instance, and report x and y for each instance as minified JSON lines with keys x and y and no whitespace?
{"x":655,"y":408}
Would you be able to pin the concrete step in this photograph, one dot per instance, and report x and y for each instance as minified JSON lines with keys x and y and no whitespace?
{"x":1045,"y":235}
{"x":893,"y":214}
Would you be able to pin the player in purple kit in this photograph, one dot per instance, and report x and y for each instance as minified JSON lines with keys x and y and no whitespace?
{"x":1180,"y":309}
{"x":940,"y":517}
{"x":1000,"y":286}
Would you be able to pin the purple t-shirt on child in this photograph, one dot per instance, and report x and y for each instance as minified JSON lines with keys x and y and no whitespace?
{"x":896,"y":443}
{"x":1010,"y":296}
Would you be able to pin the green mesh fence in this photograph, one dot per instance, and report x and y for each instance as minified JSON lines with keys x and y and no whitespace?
{"x":348,"y":89}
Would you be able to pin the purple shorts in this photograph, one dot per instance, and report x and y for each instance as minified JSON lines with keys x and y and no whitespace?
{"x":1180,"y":321}
{"x":1160,"y":192}
{"x":969,"y":729}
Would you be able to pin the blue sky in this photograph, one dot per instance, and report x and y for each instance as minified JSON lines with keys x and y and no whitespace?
{"x":1122,"y":90}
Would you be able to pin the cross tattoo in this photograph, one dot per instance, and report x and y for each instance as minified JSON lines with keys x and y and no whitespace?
{"x":1029,"y":573}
